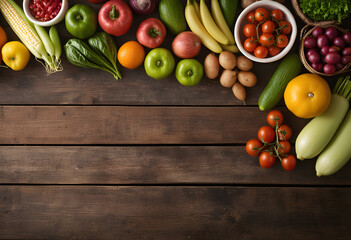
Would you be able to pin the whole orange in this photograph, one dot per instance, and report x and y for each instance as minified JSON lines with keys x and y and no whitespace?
{"x":3,"y":37}
{"x":131,"y":55}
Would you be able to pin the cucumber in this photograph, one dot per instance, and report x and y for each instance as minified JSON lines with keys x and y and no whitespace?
{"x":288,"y":69}
{"x":228,"y":8}
{"x":172,"y":15}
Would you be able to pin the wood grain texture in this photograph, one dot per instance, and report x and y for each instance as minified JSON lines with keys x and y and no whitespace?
{"x":151,"y":165}
{"x":70,"y":212}
{"x":132,"y":125}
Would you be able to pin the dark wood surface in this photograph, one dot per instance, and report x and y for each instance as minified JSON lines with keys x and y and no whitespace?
{"x":83,"y":156}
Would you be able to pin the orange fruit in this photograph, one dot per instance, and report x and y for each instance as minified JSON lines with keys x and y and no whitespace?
{"x":131,"y":55}
{"x":3,"y":37}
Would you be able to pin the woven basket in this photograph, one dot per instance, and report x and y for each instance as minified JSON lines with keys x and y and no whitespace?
{"x":307,"y":20}
{"x":305,"y":33}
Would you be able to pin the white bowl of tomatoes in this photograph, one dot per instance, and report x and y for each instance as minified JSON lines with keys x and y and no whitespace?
{"x":265,"y":31}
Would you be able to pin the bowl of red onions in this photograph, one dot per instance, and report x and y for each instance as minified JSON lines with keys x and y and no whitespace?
{"x":326,"y":50}
{"x":45,"y":12}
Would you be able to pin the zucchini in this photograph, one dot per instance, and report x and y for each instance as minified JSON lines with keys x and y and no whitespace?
{"x":338,"y":151}
{"x":316,"y":135}
{"x":288,"y":69}
{"x":228,"y":8}
{"x":172,"y":15}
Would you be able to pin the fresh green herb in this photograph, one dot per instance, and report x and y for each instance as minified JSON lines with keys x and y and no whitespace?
{"x":322,"y":10}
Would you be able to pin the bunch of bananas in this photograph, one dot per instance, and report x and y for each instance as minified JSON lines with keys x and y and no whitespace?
{"x":211,"y":27}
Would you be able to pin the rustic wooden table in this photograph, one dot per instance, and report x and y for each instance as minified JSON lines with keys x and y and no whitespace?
{"x":84,"y":156}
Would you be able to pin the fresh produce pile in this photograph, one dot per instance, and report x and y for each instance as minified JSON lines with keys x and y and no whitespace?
{"x":206,"y":25}
{"x":328,"y":50}
{"x":267,"y":33}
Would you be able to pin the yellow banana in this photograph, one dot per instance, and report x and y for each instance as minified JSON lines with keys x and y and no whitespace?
{"x":210,"y":25}
{"x":196,"y":27}
{"x":231,"y":48}
{"x":220,"y":20}
{"x":197,"y":8}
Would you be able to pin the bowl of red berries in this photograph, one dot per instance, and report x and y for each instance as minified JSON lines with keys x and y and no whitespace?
{"x":265,"y":31}
{"x":45,"y":12}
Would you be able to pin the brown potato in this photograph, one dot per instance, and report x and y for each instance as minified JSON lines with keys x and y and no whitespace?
{"x":243,"y":63}
{"x":228,"y":78}
{"x":211,"y":66}
{"x":239,"y":91}
{"x":247,"y":79}
{"x":227,"y":60}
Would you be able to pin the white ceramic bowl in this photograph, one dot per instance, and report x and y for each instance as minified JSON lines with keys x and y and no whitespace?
{"x":241,"y":22}
{"x":59,"y":17}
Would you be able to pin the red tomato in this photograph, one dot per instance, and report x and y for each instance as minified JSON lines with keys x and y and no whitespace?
{"x":253,"y":147}
{"x":249,"y":30}
{"x":274,"y":50}
{"x":151,"y":33}
{"x":261,"y":14}
{"x":186,"y":45}
{"x":285,"y":27}
{"x":115,"y":17}
{"x":284,"y":132}
{"x":277,"y":14}
{"x":282,"y":41}
{"x":285,"y":148}
{"x":267,"y":160}
{"x":97,"y":1}
{"x":289,"y":163}
{"x":250,"y":44}
{"x":267,"y":39}
{"x":275,"y":117}
{"x":266,"y":134}
{"x":250,"y":17}
{"x":268,"y":27}
{"x":261,"y":52}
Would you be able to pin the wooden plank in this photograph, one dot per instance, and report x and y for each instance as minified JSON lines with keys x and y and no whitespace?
{"x":151,"y":165}
{"x":70,"y":212}
{"x":132,"y":125}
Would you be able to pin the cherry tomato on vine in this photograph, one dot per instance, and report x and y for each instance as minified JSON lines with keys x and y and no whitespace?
{"x":249,"y":30}
{"x":267,"y":159}
{"x":289,"y":163}
{"x":274,"y":50}
{"x":275,"y":116}
{"x":266,"y":134}
{"x":261,"y":52}
{"x":282,"y":41}
{"x":250,"y":44}
{"x":261,"y":14}
{"x":267,"y":39}
{"x":277,"y":14}
{"x":268,"y":27}
{"x":253,"y":146}
{"x":250,"y":17}
{"x":285,"y":27}
{"x":285,"y":148}
{"x":284,"y":132}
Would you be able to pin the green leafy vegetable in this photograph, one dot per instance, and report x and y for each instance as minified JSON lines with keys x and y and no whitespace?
{"x":322,"y":10}
{"x":101,"y":53}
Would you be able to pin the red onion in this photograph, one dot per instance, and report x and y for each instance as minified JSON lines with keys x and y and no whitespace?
{"x":310,"y":42}
{"x":331,"y":33}
{"x":324,"y":50}
{"x":317,"y":66}
{"x":334,"y":49}
{"x":347,"y":38}
{"x":347,"y":51}
{"x":329,"y":68}
{"x":332,"y":58}
{"x":317,"y":31}
{"x":142,"y":6}
{"x":339,"y":66}
{"x":339,"y":42}
{"x":345,"y":59}
{"x":322,"y":40}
